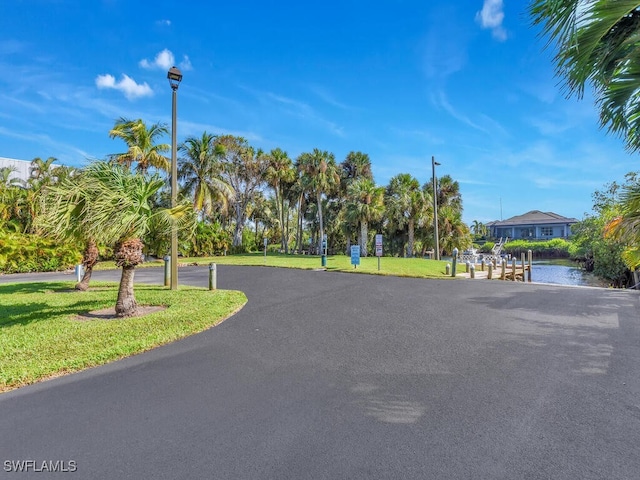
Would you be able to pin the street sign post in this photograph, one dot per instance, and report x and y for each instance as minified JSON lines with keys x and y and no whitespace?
{"x":265,"y":249}
{"x":378,"y":248}
{"x":355,"y":255}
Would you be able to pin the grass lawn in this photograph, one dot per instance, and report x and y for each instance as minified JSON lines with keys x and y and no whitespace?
{"x":41,"y":335}
{"x":400,"y":267}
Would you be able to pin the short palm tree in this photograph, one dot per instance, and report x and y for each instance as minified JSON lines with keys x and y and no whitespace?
{"x":141,"y":142}
{"x":113,"y":206}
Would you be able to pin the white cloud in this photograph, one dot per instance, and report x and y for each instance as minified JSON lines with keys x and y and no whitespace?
{"x":164,"y":60}
{"x":185,"y":64}
{"x":491,"y":17}
{"x":127,"y":85}
{"x":163,"y":23}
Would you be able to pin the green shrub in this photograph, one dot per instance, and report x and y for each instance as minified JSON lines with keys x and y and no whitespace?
{"x":22,"y":253}
{"x":487,"y":247}
{"x":557,"y":247}
{"x":210,"y":239}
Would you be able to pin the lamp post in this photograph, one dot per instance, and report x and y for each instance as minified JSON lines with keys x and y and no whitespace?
{"x":175,"y":76}
{"x":435,"y":208}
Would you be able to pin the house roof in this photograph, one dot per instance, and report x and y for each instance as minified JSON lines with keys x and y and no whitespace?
{"x":534,"y":217}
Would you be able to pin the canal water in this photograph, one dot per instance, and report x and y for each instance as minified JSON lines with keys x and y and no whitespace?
{"x":562,"y":272}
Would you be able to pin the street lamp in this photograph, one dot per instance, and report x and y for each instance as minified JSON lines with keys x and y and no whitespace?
{"x":435,"y":208}
{"x":175,"y":76}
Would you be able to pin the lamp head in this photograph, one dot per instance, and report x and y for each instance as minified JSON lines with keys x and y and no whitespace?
{"x":175,"y":77}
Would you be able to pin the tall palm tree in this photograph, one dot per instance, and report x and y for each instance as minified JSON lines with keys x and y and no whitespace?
{"x":142,"y":148}
{"x":597,"y":44}
{"x":356,"y":165}
{"x":407,"y":206}
{"x":365,"y":204}
{"x":279,"y":175}
{"x":200,"y":168}
{"x":319,"y":176}
{"x":113,"y":206}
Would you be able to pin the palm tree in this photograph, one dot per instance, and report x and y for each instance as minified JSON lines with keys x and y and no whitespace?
{"x":407,"y":205}
{"x":200,"y":168}
{"x":597,"y":44}
{"x":453,"y":232}
{"x":365,"y":204}
{"x":626,"y":226}
{"x":12,"y":201}
{"x":478,"y":228}
{"x":42,"y":171}
{"x":279,"y":175}
{"x":62,"y":219}
{"x":113,"y":206}
{"x":319,"y":176}
{"x":356,"y":165}
{"x":141,"y":143}
{"x":6,"y":180}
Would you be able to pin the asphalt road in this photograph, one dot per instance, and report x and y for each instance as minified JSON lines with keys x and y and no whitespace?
{"x":337,"y":376}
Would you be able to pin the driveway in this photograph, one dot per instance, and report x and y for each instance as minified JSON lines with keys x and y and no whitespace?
{"x":337,"y":376}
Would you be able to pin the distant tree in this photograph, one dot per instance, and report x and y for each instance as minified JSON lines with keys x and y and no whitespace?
{"x":244,"y":170}
{"x":478,"y":228}
{"x":141,"y":142}
{"x":280,"y":175}
{"x":319,"y":177}
{"x":406,"y":206}
{"x":200,"y":168}
{"x":365,"y":204}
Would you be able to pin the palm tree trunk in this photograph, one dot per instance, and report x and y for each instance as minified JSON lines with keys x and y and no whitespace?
{"x":348,"y":235}
{"x":411,"y":239}
{"x":83,"y":285}
{"x":286,"y":232}
{"x":299,"y":226}
{"x":89,"y":260}
{"x":364,"y":234}
{"x":126,"y":305}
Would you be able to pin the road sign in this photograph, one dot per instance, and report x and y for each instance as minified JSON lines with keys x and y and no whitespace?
{"x":378,"y":245}
{"x":355,"y":255}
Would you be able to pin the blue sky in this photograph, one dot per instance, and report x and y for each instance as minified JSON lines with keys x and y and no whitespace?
{"x":467,"y":81}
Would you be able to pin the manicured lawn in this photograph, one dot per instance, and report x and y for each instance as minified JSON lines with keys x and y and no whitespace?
{"x":401,"y":267}
{"x":41,"y":335}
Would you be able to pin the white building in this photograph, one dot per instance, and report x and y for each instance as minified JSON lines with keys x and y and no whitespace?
{"x":20,"y":167}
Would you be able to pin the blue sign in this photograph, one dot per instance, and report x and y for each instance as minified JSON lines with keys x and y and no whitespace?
{"x":355,"y":254}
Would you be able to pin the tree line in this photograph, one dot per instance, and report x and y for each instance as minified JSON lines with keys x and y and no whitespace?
{"x":242,"y":194}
